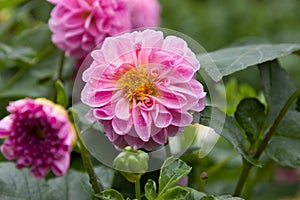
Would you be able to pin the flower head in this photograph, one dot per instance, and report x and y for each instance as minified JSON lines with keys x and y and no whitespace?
{"x":38,"y":134}
{"x":79,"y":25}
{"x":144,"y":14}
{"x":142,"y":88}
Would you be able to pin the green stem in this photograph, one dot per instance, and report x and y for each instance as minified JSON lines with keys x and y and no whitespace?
{"x":246,"y":165}
{"x":137,"y":190}
{"x":243,"y":177}
{"x":273,"y":128}
{"x":87,"y":163}
{"x":61,"y":66}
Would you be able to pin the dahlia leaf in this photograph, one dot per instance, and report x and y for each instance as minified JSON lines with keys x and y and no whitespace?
{"x":194,"y":194}
{"x":236,"y":58}
{"x":284,"y":146}
{"x":110,"y":194}
{"x":12,"y":54}
{"x":19,"y":184}
{"x":40,"y":38}
{"x":223,"y":197}
{"x":172,"y":171}
{"x":177,"y":192}
{"x":150,"y":190}
{"x":250,"y":115}
{"x":278,"y":87}
{"x":62,"y":96}
{"x":69,"y":186}
{"x":214,"y":118}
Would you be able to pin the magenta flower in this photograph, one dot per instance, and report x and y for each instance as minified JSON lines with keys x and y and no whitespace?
{"x":38,"y":134}
{"x":144,"y":14}
{"x":79,"y":25}
{"x":142,"y":88}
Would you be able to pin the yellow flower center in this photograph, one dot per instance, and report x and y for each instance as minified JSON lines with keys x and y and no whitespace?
{"x":137,"y":84}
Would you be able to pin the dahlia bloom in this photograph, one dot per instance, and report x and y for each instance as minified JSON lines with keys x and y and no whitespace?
{"x":144,"y":14}
{"x":79,"y":25}
{"x":38,"y":134}
{"x":142,"y":88}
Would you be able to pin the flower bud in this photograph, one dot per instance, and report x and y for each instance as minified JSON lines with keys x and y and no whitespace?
{"x":131,"y":163}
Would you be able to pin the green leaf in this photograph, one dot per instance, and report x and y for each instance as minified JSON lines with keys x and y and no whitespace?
{"x":232,"y":59}
{"x":229,"y":130}
{"x":150,"y":190}
{"x":110,"y":194}
{"x":40,"y":38}
{"x":194,"y":194}
{"x":69,"y":187}
{"x":10,"y":3}
{"x":175,"y":193}
{"x":172,"y":171}
{"x":223,"y":197}
{"x":284,"y":146}
{"x":19,"y":184}
{"x":250,"y":115}
{"x":62,"y":96}
{"x":278,"y":87}
{"x":10,"y":54}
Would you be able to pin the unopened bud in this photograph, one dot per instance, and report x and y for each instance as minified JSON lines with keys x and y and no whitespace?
{"x":131,"y":163}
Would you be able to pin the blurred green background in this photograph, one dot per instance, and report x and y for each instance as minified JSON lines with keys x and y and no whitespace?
{"x":214,"y":24}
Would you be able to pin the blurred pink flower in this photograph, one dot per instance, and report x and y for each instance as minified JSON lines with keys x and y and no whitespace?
{"x":144,"y":14}
{"x":79,"y":25}
{"x":38,"y":134}
{"x":142,"y":88}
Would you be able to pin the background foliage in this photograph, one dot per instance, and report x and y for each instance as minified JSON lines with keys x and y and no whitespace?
{"x":29,"y":64}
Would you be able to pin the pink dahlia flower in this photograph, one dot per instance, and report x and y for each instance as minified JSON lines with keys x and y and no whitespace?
{"x":38,"y":134}
{"x":79,"y":25}
{"x":142,"y":88}
{"x":144,"y":13}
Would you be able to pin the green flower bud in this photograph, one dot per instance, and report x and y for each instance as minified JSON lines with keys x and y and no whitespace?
{"x":131,"y":163}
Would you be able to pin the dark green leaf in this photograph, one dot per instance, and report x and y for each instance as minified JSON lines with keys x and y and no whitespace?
{"x":110,"y":194}
{"x":19,"y":184}
{"x":228,"y":129}
{"x":38,"y":38}
{"x":150,"y":190}
{"x":236,"y":58}
{"x":175,"y":193}
{"x":62,"y":96}
{"x":250,"y":115}
{"x":284,"y":146}
{"x":223,"y":197}
{"x":172,"y":171}
{"x":9,"y":54}
{"x":69,"y":187}
{"x":278,"y":87}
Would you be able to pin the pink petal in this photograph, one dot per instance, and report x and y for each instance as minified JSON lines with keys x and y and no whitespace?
{"x":170,"y":99}
{"x":142,"y":123}
{"x":95,"y":98}
{"x":5,"y":126}
{"x":8,"y":150}
{"x":103,"y":113}
{"x":181,"y":119}
{"x":61,"y":166}
{"x":122,"y":110}
{"x":161,"y":137}
{"x":121,"y":127}
{"x":161,"y":116}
